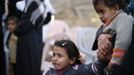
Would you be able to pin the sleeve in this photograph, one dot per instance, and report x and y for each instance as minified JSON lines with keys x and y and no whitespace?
{"x":95,"y":68}
{"x":23,"y":27}
{"x":47,"y":72}
{"x":123,"y":38}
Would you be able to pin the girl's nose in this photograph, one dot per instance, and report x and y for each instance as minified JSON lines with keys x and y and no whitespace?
{"x":54,"y":59}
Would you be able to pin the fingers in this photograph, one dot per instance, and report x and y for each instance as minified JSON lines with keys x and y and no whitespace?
{"x":102,"y":55}
{"x":104,"y":43}
{"x":82,"y":57}
{"x":104,"y":36}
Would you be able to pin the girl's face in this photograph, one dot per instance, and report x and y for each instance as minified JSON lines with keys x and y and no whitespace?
{"x":105,"y":13}
{"x":60,"y":59}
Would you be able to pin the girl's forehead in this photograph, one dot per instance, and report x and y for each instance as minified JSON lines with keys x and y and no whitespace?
{"x":57,"y":48}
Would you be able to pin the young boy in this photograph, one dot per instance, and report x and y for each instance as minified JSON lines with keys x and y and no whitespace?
{"x":114,"y":18}
{"x":12,"y":42}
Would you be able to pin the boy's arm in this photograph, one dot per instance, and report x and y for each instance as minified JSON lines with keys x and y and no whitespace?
{"x":123,"y":38}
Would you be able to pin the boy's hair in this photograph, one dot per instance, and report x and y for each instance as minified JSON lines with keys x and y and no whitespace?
{"x":13,"y":18}
{"x":71,"y":49}
{"x":111,"y":3}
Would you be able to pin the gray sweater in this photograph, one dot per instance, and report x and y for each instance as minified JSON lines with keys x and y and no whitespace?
{"x":122,"y":25}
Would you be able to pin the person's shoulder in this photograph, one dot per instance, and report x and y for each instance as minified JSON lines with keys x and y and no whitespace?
{"x":49,"y":71}
{"x":84,"y":67}
{"x":125,"y":16}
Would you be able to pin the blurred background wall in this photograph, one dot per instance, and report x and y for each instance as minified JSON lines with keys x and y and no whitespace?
{"x":76,"y":12}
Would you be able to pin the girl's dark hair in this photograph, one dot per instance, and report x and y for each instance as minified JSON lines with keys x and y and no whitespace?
{"x":111,"y":3}
{"x":13,"y":18}
{"x":71,"y":49}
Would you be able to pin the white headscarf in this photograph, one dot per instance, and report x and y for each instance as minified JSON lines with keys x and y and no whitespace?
{"x":20,"y":5}
{"x":43,"y":8}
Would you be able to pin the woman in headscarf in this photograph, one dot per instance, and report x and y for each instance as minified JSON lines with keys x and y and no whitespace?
{"x":29,"y":32}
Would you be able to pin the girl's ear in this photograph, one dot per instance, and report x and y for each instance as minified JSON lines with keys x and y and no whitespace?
{"x":72,"y":61}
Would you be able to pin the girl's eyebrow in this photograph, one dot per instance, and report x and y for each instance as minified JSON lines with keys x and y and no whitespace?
{"x":55,"y":52}
{"x":58,"y":53}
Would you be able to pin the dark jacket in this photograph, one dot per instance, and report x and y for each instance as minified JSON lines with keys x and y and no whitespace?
{"x":82,"y":69}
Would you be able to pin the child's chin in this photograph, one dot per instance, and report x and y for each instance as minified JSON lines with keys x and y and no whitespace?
{"x":57,"y":68}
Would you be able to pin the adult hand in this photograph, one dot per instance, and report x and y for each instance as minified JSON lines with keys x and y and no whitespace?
{"x":104,"y":43}
{"x":104,"y":47}
{"x":103,"y":56}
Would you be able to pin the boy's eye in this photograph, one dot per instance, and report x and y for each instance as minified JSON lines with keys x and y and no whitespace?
{"x":101,"y":12}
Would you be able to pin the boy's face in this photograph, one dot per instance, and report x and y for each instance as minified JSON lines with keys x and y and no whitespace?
{"x":11,"y":25}
{"x":60,"y":58}
{"x":105,"y":13}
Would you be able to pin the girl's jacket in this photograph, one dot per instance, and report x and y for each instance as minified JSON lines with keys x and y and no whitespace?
{"x":82,"y":69}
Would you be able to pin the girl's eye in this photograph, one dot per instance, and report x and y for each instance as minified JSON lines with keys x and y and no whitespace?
{"x":53,"y":54}
{"x":59,"y":55}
